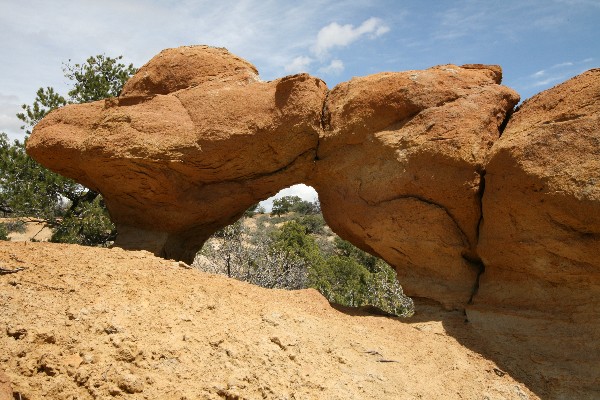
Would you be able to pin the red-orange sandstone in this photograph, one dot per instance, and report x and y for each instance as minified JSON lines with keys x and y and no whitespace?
{"x":415,"y":167}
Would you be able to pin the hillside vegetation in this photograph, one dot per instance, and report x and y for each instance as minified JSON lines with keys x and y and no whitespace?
{"x":292,"y":248}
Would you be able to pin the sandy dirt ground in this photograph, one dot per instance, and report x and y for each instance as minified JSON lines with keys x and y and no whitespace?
{"x":92,"y":323}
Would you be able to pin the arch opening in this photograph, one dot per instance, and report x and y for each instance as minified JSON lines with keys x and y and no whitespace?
{"x":284,"y":242}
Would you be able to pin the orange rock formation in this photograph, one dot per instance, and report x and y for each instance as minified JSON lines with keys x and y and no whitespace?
{"x":415,"y":167}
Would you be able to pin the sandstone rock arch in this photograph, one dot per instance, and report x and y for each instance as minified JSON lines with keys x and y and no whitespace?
{"x":416,"y":167}
{"x":196,"y":137}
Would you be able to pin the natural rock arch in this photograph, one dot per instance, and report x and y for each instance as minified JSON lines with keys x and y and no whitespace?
{"x":415,"y":167}
{"x":195,"y":138}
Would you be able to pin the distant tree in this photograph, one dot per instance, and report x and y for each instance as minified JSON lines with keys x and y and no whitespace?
{"x":346,"y":249}
{"x":341,"y":280}
{"x":314,"y":223}
{"x":260,"y":260}
{"x":252,"y":210}
{"x":304,"y":207}
{"x":293,"y":238}
{"x":286,"y":204}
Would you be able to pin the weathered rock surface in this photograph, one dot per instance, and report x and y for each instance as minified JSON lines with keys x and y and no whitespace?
{"x":540,"y":236}
{"x":399,"y":170}
{"x":186,"y":67}
{"x":192,"y":142}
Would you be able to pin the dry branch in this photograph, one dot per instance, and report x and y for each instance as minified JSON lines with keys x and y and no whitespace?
{"x":4,"y":271}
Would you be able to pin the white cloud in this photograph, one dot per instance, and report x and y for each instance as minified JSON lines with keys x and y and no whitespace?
{"x":336,"y":35}
{"x":332,"y":36}
{"x":549,"y":80}
{"x":543,"y":73}
{"x":561,"y":65}
{"x":539,"y":73}
{"x":335,"y":67}
{"x":267,"y":33}
{"x":558,"y":72}
{"x":298,"y":64}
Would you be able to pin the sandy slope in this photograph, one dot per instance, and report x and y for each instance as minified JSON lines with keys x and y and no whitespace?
{"x":82,"y":323}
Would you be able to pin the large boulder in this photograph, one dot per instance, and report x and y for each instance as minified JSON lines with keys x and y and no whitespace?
{"x":186,"y":67}
{"x":193,"y":141}
{"x":540,"y":235}
{"x":399,"y":170}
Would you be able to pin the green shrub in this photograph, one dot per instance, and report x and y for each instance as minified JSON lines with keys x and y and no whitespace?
{"x":386,"y":293}
{"x":347,"y":249}
{"x":287,"y":204}
{"x":341,"y":280}
{"x":88,"y":225}
{"x":313,"y":224}
{"x":290,"y":257}
{"x":3,"y":232}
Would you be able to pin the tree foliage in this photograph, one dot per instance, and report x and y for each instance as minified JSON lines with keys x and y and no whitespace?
{"x":341,"y":280}
{"x":290,"y":256}
{"x":287,"y":204}
{"x":259,"y":259}
{"x":98,"y":78}
{"x":45,"y":101}
{"x":254,"y":209}
{"x":32,"y":190}
{"x":89,"y":225}
{"x":3,"y":232}
{"x":29,"y":188}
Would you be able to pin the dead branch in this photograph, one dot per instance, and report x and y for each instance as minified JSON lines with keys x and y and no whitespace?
{"x":4,"y":271}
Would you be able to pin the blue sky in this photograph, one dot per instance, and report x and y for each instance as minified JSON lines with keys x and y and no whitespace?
{"x":539,"y":43}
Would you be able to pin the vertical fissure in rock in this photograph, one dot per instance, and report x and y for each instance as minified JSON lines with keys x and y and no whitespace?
{"x":480,"y":270}
{"x":325,"y":123}
{"x":325,"y":116}
{"x":504,"y":123}
{"x":474,"y":258}
{"x":480,"y":203}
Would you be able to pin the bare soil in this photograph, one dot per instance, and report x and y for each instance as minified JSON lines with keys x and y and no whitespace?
{"x":93,"y":323}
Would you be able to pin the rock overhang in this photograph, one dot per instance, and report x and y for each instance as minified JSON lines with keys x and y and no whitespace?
{"x":397,"y":158}
{"x":196,"y":137}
